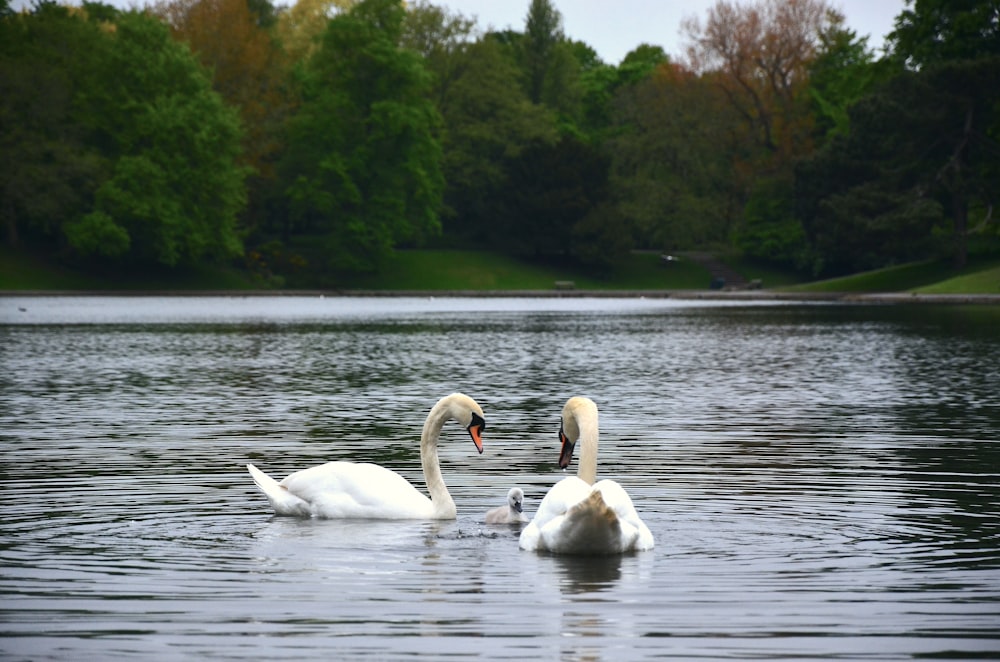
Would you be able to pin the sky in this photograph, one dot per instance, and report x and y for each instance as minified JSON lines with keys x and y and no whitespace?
{"x":615,"y":27}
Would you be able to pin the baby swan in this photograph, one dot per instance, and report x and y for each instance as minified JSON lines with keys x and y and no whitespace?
{"x":512,"y":512}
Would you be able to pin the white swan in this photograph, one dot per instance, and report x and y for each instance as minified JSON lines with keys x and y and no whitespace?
{"x":512,"y":512}
{"x":364,"y":490}
{"x":577,"y":516}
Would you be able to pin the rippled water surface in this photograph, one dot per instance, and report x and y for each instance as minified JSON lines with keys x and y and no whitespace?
{"x":822,"y":481}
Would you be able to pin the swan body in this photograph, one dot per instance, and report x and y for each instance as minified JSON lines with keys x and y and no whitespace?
{"x":512,"y":512}
{"x":579,"y":516}
{"x":364,"y":490}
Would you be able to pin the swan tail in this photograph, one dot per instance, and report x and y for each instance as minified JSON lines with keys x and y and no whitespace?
{"x":283,"y":501}
{"x":590,"y":527}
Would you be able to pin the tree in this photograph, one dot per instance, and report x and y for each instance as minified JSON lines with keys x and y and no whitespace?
{"x":487,"y":117}
{"x":551,"y":72}
{"x":671,"y":152}
{"x":235,"y":43}
{"x":931,"y":31}
{"x":146,"y":170}
{"x":762,"y":52}
{"x":175,"y":188}
{"x":843,"y":71}
{"x":558,"y":206}
{"x":955,"y":48}
{"x":920,"y":153}
{"x":301,"y":26}
{"x":50,"y":167}
{"x":362,"y":169}
{"x":600,"y":82}
{"x":245,"y":63}
{"x":542,"y":34}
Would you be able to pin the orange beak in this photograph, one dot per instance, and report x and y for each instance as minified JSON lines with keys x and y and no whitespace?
{"x":476,"y":428}
{"x":476,"y":432}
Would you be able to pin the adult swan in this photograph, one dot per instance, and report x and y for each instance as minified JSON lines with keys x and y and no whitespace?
{"x":363,"y":490}
{"x":577,"y":516}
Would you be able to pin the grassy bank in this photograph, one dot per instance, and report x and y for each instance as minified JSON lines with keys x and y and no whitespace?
{"x":468,"y":270}
{"x":451,"y":270}
{"x":422,"y":270}
{"x":980,"y":276}
{"x":19,"y":271}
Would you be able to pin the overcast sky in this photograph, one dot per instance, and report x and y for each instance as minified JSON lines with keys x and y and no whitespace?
{"x":615,"y":27}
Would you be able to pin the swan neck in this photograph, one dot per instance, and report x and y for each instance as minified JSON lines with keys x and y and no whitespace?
{"x":587,"y":471}
{"x":444,"y":505}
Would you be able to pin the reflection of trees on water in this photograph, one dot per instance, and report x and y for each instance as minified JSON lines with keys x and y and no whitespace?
{"x":947,"y":417}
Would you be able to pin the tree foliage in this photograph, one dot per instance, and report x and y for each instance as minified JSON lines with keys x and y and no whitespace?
{"x":935,"y":31}
{"x":152,"y":149}
{"x":363,"y":122}
{"x":362,"y":168}
{"x":671,"y":178}
{"x":762,"y":51}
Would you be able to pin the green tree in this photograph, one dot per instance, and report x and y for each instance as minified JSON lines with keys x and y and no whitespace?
{"x":844,"y":71}
{"x":175,"y":188}
{"x":558,"y":206}
{"x":50,"y":166}
{"x":920,"y":155}
{"x":151,"y":149}
{"x":551,"y":70}
{"x":542,"y":34}
{"x":235,"y":41}
{"x":487,"y":117}
{"x":600,"y":82}
{"x":672,"y":160}
{"x":363,"y":166}
{"x":930,"y":31}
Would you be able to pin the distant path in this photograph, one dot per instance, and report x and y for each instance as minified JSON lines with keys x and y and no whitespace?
{"x":721,"y":272}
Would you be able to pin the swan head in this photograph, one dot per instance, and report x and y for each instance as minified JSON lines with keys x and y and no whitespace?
{"x":577,"y":412}
{"x":469,"y":414}
{"x":515,"y":499}
{"x":566,"y":446}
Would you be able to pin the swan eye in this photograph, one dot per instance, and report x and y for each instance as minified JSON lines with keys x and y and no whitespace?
{"x":478,"y":421}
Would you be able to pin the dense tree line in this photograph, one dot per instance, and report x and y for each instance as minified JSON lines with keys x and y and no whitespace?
{"x":309,"y":142}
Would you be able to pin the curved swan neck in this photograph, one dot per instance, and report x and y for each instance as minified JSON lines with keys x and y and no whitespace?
{"x":444,"y":505}
{"x":585,"y":415}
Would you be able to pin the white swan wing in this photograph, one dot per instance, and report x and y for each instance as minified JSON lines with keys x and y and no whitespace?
{"x":552,"y":510}
{"x":635,"y":535}
{"x":344,"y":490}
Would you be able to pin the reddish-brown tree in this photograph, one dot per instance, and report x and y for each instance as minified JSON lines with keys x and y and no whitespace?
{"x":759,"y":54}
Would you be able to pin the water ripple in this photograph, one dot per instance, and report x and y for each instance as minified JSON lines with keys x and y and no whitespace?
{"x":821,"y":480}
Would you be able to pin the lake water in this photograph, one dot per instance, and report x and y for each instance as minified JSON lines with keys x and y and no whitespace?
{"x":821,"y":480}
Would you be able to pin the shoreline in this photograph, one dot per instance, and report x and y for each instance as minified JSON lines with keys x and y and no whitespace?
{"x":684,"y":295}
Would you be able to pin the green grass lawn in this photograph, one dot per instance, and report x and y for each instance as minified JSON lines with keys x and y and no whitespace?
{"x":983,"y":281}
{"x":469,"y":270}
{"x":441,"y":270}
{"x":939,"y":277}
{"x":19,"y":271}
